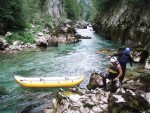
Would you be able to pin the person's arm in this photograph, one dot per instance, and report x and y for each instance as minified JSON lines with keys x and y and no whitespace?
{"x":130,"y":60}
{"x":120,"y":73}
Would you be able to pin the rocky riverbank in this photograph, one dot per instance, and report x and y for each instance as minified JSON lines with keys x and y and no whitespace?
{"x":63,"y":32}
{"x":129,"y":99}
{"x":133,"y":97}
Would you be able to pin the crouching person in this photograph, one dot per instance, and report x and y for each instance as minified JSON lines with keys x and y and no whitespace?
{"x":114,"y":72}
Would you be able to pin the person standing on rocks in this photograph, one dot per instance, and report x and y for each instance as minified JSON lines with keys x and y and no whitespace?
{"x":114,"y":72}
{"x":124,"y":57}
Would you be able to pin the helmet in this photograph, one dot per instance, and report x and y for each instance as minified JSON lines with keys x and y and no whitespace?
{"x":113,"y":59}
{"x":127,"y":50}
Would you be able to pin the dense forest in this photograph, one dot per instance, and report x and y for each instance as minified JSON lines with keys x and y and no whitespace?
{"x":18,"y":16}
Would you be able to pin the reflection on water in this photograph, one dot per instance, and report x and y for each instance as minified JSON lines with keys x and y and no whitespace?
{"x":65,"y":60}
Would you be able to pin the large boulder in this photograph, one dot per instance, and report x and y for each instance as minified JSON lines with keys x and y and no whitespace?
{"x":3,"y":44}
{"x":72,"y":39}
{"x":127,"y":102}
{"x":41,"y":41}
{"x":138,"y":84}
{"x":95,"y":81}
{"x":52,"y":41}
{"x":17,"y":43}
{"x":78,"y":36}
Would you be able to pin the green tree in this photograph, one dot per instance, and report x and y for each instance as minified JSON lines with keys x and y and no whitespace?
{"x":71,"y":9}
{"x":12,"y":14}
{"x":104,"y":5}
{"x":17,"y":14}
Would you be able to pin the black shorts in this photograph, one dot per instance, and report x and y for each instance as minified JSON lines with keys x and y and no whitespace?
{"x":111,"y":76}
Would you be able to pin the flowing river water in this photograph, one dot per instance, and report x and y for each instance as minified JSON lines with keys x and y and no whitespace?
{"x":65,"y":60}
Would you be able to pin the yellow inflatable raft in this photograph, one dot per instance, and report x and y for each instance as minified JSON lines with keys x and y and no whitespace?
{"x":49,"y":82}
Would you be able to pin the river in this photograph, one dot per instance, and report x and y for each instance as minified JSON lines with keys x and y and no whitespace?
{"x":65,"y":60}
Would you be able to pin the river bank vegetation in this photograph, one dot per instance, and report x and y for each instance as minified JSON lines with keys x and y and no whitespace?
{"x":25,"y":18}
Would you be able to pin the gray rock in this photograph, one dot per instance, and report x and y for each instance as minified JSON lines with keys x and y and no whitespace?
{"x":41,"y":41}
{"x":8,"y":34}
{"x":95,"y":81}
{"x":147,"y":64}
{"x":127,"y":102}
{"x":16,"y":43}
{"x":3,"y":44}
{"x":40,"y":34}
{"x":52,"y":41}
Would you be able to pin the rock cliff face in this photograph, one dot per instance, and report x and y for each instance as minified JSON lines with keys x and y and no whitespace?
{"x":126,"y":23}
{"x":55,"y":8}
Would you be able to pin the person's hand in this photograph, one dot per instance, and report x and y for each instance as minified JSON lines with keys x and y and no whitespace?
{"x":131,"y":68}
{"x":115,"y":79}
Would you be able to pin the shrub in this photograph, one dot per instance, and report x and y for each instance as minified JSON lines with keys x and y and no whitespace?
{"x":22,"y":36}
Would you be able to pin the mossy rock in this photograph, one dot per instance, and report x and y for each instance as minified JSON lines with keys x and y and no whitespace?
{"x":107,"y":51}
{"x":140,"y":70}
{"x":145,"y":79}
{"x":132,"y":74}
{"x":69,"y":93}
{"x":137,"y":48}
